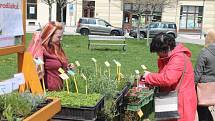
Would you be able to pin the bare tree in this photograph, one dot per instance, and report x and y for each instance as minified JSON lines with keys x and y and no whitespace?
{"x":147,"y":8}
{"x":62,"y":4}
{"x":49,"y":3}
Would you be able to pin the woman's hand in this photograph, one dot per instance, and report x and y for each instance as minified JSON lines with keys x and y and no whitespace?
{"x":71,"y":66}
{"x":146,"y":73}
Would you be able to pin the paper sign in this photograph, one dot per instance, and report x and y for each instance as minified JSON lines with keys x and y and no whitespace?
{"x":107,"y":63}
{"x":70,"y":72}
{"x":143,"y":67}
{"x":64,"y":76}
{"x":140,"y":113}
{"x":94,"y":60}
{"x":5,"y":87}
{"x":83,"y":76}
{"x":11,"y":17}
{"x":32,"y":10}
{"x":61,"y":70}
{"x":20,"y":78}
{"x":6,"y":40}
{"x":77,"y":63}
{"x":15,"y":84}
{"x":137,"y":71}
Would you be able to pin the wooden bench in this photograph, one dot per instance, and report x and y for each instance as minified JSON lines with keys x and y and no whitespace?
{"x":96,"y":40}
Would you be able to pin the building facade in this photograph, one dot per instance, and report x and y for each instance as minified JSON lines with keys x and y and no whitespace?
{"x":189,"y":15}
{"x":109,"y":10}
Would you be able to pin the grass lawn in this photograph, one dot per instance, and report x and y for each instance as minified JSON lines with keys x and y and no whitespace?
{"x":76,"y":49}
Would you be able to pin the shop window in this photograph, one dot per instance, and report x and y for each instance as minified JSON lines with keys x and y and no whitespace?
{"x":89,"y":9}
{"x":31,"y":9}
{"x":127,"y":6}
{"x":191,"y":17}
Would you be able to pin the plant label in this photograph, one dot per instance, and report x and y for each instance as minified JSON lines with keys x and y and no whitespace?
{"x":83,"y":76}
{"x":77,"y":63}
{"x":36,"y":61}
{"x":137,"y":72}
{"x":115,"y":61}
{"x":64,"y":76}
{"x":143,"y":67}
{"x":118,"y":64}
{"x":70,"y":72}
{"x":107,"y":63}
{"x":20,"y":78}
{"x":94,"y":60}
{"x":40,"y":61}
{"x":61,"y":70}
{"x":140,"y":113}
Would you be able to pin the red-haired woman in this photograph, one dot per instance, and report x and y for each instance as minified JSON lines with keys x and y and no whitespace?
{"x":53,"y":55}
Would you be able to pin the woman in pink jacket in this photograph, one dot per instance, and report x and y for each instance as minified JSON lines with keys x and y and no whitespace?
{"x":171,"y":63}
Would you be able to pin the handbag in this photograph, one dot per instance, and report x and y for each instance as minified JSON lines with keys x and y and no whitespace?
{"x":206,"y":92}
{"x":166,"y":103}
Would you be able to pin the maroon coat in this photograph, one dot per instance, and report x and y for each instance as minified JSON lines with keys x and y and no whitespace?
{"x":51,"y":66}
{"x":170,"y":71}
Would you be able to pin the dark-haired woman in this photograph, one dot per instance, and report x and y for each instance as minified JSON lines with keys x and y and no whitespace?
{"x":171,"y":64}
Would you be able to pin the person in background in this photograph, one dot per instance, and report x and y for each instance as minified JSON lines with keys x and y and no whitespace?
{"x":171,"y":63}
{"x":53,"y":55}
{"x":205,"y":71}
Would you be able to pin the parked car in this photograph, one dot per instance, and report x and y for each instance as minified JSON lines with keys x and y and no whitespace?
{"x":98,"y":26}
{"x":156,"y":28}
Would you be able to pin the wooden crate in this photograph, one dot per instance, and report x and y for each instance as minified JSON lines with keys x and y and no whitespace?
{"x":47,"y":112}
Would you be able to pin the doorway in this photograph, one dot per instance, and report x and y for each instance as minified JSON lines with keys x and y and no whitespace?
{"x":58,"y":13}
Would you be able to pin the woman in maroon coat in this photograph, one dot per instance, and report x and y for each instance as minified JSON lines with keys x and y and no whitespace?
{"x":53,"y":55}
{"x":171,"y":63}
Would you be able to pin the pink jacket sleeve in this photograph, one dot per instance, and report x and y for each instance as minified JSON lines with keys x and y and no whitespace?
{"x":170,"y":73}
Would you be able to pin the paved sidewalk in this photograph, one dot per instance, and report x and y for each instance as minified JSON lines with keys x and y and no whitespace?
{"x":190,"y":38}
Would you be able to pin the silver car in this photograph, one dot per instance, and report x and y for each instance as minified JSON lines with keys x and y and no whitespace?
{"x":156,"y":28}
{"x":98,"y":26}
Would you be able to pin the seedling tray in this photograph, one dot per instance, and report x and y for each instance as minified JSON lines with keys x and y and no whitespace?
{"x":141,"y":100}
{"x":82,"y":113}
{"x":119,"y":98}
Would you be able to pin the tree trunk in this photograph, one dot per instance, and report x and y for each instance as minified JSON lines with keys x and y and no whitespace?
{"x":50,"y":13}
{"x":61,"y":14}
{"x":138,"y":27}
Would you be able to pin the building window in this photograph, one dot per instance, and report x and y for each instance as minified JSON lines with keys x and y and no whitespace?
{"x":191,"y":17}
{"x":89,"y":9}
{"x":31,"y":9}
